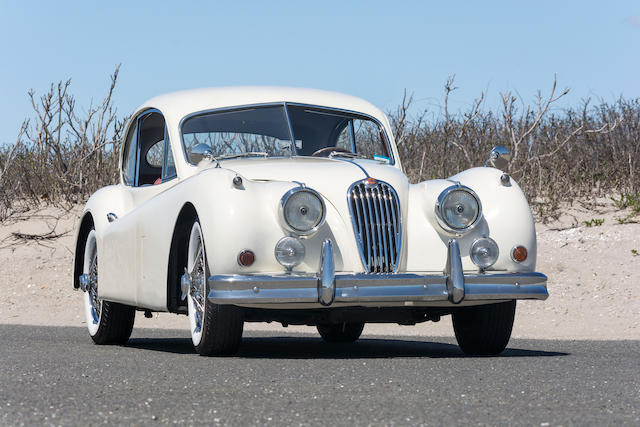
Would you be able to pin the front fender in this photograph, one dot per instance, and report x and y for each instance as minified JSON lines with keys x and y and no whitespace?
{"x":247,"y":217}
{"x":507,"y":219}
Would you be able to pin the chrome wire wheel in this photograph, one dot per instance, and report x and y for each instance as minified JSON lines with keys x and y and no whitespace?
{"x":197,"y":290}
{"x":92,"y":304}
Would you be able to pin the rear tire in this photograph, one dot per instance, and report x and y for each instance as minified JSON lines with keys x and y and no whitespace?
{"x":108,"y":322}
{"x":340,"y":332}
{"x":484,"y":330}
{"x":215,"y":329}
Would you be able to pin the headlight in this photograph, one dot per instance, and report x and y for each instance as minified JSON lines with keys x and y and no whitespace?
{"x":289,"y":252}
{"x":484,"y":252}
{"x":458,"y":209}
{"x":302,"y":210}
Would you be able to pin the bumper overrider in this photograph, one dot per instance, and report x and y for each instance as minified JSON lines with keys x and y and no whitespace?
{"x":326,"y":288}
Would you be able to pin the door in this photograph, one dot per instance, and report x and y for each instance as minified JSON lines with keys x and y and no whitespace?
{"x":147,"y":170}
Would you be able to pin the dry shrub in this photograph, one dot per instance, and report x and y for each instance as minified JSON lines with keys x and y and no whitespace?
{"x":62,"y":156}
{"x":582,"y":153}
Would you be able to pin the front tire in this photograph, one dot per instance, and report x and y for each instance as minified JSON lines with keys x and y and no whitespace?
{"x":340,"y":332}
{"x":215,"y":329}
{"x":484,"y":330}
{"x":108,"y":322}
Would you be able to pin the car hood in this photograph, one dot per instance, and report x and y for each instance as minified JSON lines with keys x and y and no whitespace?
{"x":330,"y":177}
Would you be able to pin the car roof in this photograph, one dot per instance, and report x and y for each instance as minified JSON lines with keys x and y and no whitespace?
{"x":177,"y":105}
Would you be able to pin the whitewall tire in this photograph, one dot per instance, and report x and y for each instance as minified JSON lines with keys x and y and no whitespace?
{"x":108,"y":322}
{"x":215,"y":329}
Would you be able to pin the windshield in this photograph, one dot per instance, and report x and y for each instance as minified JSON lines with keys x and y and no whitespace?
{"x":267,"y":131}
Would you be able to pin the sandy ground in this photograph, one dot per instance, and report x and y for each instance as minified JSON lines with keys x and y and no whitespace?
{"x":594,"y":280}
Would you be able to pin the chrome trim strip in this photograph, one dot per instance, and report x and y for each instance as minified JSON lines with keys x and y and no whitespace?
{"x":247,"y":296}
{"x":238,"y":282}
{"x":395,"y":289}
{"x":454,"y":274}
{"x":480,"y":292}
{"x":294,"y":149}
{"x":352,"y":137}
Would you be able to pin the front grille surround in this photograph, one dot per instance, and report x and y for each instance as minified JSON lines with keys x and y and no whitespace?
{"x":377,"y":224}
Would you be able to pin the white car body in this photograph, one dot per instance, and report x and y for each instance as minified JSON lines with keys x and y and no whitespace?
{"x":135,"y":246}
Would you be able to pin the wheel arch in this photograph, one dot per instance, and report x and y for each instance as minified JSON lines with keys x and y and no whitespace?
{"x":178,"y":256}
{"x":86,"y":224}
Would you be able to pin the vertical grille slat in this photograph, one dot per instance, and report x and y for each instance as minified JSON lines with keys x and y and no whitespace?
{"x":375,"y":214}
{"x":357,"y":218}
{"x":396,"y":232}
{"x":387,"y":231}
{"x":373,"y":260}
{"x":381,"y":225}
{"x":366,"y":238}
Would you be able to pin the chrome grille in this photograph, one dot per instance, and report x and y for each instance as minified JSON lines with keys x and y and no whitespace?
{"x":376,"y":217}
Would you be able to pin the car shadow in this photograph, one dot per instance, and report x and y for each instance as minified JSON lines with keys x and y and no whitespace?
{"x":274,"y":347}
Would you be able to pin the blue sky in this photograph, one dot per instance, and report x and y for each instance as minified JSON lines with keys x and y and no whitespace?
{"x":372,"y":49}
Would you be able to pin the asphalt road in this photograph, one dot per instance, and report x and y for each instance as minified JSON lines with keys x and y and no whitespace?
{"x":57,"y":376}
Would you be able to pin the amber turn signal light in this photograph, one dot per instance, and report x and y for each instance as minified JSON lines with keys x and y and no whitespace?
{"x":246,"y":258}
{"x":519,"y":253}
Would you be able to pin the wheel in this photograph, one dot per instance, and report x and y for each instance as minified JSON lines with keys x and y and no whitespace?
{"x":485,"y":329}
{"x":215,"y":329}
{"x":340,"y":332}
{"x":108,"y":322}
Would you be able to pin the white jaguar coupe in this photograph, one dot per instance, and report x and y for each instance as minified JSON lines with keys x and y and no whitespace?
{"x":258,"y":204}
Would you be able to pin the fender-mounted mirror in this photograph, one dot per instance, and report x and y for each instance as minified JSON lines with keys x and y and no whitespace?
{"x":499,"y":157}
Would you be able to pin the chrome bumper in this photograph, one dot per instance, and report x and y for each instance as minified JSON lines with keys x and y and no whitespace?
{"x":327,"y":288}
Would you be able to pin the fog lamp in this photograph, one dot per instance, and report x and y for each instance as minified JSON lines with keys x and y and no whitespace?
{"x":289,"y":252}
{"x":484,"y":252}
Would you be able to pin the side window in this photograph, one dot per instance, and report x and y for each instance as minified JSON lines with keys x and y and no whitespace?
{"x":148,"y":159}
{"x":151,"y":148}
{"x":130,"y":153}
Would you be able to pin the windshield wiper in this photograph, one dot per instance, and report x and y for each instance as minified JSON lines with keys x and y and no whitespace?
{"x":247,"y":154}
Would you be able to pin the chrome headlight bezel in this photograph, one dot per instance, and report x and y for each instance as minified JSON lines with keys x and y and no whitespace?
{"x":441,"y":217}
{"x":283,"y":220}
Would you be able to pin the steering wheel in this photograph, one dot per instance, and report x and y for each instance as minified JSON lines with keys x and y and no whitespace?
{"x":326,"y":151}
